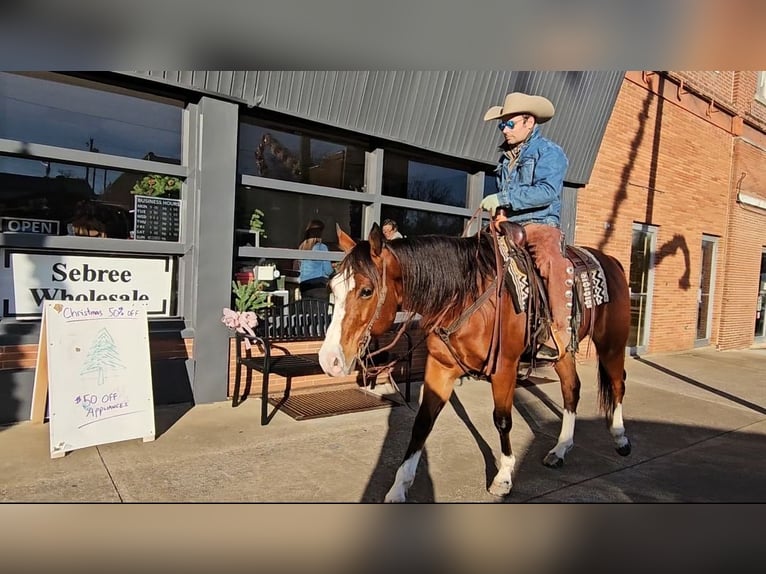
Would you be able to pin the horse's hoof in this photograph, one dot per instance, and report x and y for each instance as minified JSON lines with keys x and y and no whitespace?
{"x":624,"y":450}
{"x":500,"y":489}
{"x":394,"y":497}
{"x":551,"y":460}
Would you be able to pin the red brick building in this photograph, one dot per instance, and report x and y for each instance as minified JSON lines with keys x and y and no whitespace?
{"x":678,"y":194}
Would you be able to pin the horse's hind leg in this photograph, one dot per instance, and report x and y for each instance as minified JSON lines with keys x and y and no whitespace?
{"x":570,"y":392}
{"x":611,"y":390}
{"x":436,"y":392}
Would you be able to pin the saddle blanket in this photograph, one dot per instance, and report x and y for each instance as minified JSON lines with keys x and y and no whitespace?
{"x":589,"y":275}
{"x":589,"y":278}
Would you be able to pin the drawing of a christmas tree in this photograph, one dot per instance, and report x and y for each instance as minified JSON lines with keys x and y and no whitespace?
{"x":102,"y":356}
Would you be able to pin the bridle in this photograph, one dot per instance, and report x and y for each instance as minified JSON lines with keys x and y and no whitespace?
{"x":364,"y":356}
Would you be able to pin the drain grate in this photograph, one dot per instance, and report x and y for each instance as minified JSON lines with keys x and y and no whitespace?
{"x":329,"y":403}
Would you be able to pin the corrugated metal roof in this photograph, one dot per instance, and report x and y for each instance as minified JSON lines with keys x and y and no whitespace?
{"x":440,"y":111}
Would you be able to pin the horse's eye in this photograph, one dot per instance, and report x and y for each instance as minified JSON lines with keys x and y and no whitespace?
{"x":365,"y":293}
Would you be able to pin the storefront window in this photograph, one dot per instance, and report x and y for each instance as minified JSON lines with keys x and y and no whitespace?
{"x":427,"y":182}
{"x":416,"y":222}
{"x":71,"y":113}
{"x":79,"y":200}
{"x":286,"y":215}
{"x":490,"y":183}
{"x":300,"y":157}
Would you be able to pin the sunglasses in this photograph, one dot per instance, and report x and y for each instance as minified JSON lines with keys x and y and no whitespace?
{"x":506,"y":124}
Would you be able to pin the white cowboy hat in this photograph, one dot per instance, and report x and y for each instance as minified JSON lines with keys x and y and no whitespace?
{"x":518,"y":103}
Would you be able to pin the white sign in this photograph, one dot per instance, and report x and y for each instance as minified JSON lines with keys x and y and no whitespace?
{"x":28,"y":279}
{"x":93,"y":361}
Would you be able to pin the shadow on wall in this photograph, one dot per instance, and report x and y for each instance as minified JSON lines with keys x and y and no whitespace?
{"x":627,"y":170}
{"x":678,"y":242}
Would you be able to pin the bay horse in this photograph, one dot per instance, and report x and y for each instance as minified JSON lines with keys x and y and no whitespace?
{"x":440,"y":277}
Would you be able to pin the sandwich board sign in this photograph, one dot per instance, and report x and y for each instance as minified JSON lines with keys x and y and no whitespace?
{"x":93,"y":366}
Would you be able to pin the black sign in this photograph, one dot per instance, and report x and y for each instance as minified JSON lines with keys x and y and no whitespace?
{"x":25,"y":225}
{"x":157,"y":218}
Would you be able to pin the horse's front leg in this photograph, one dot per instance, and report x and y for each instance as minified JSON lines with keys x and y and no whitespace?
{"x":570,"y":392}
{"x":503,"y":388}
{"x":437,"y":388}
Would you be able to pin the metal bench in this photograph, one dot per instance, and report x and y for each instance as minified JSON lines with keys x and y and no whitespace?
{"x":301,"y":320}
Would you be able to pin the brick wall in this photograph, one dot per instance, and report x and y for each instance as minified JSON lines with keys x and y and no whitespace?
{"x":719,"y":85}
{"x":25,"y":356}
{"x":662,"y":165}
{"x":751,"y":109}
{"x":747,"y":239}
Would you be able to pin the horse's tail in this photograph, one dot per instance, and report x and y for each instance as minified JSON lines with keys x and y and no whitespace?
{"x":605,"y":392}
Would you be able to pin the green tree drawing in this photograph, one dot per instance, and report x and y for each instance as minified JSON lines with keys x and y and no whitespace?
{"x":102,"y":356}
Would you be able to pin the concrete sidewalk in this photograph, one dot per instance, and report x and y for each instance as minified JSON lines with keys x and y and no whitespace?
{"x":697,"y":421}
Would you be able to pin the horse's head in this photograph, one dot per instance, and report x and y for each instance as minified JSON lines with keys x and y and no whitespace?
{"x":367,"y":292}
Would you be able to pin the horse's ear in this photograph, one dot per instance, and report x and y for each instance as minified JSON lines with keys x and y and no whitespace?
{"x":344,"y":240}
{"x":376,"y":240}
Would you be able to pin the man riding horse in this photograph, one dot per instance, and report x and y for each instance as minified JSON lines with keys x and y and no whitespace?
{"x":530,"y":177}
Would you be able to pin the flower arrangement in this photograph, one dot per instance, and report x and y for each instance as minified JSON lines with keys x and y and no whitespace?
{"x":248,"y":299}
{"x":256,"y":223}
{"x":156,"y":185}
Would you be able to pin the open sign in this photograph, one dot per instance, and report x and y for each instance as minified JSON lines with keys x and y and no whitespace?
{"x":24,"y":225}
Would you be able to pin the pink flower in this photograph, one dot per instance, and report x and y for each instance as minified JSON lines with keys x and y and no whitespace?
{"x":242,"y":322}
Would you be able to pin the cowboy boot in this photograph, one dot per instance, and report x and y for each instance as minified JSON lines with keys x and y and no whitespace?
{"x":560,"y":300}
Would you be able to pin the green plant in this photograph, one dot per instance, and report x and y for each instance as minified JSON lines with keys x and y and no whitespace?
{"x":256,"y":223}
{"x":156,"y":185}
{"x":250,"y":296}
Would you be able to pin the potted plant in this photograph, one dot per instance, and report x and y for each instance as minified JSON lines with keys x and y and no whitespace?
{"x":256,"y":226}
{"x":249,"y":300}
{"x":157,"y":185}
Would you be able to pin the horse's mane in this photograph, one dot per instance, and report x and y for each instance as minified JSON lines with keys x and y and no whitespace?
{"x":439,"y":272}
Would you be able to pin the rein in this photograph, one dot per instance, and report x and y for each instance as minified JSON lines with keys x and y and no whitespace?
{"x":365,"y":357}
{"x":445,"y":333}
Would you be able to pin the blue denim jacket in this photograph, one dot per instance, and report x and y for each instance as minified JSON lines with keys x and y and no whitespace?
{"x":315,"y":268}
{"x":533,"y":186}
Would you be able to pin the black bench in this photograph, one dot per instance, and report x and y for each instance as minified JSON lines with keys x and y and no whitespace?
{"x":301,"y":320}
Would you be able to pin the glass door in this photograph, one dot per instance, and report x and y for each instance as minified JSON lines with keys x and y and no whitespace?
{"x":760,"y":308}
{"x":641,"y":279}
{"x":705,"y":291}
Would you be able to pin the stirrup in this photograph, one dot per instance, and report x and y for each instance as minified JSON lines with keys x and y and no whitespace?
{"x":549,"y":349}
{"x":547,"y":353}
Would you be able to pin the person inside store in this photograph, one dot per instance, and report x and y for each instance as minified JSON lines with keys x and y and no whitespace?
{"x":314,"y":273}
{"x":391,"y":230}
{"x":530,"y":179}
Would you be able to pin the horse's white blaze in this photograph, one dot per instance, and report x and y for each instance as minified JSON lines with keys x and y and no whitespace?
{"x":503,"y":481}
{"x":618,"y":427}
{"x":330,"y":353}
{"x":566,"y":436}
{"x":404,"y":478}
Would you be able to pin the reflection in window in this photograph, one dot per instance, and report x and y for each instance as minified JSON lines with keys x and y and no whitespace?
{"x":50,"y":112}
{"x":416,"y":222}
{"x":490,"y":184}
{"x":95,"y":201}
{"x":424,"y":182}
{"x":298,"y":157}
{"x":285,"y":216}
{"x":641,"y":256}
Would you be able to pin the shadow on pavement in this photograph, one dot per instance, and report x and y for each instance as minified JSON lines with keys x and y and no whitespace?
{"x":698,"y":384}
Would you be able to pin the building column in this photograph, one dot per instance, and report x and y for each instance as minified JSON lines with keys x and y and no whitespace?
{"x":208,"y":282}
